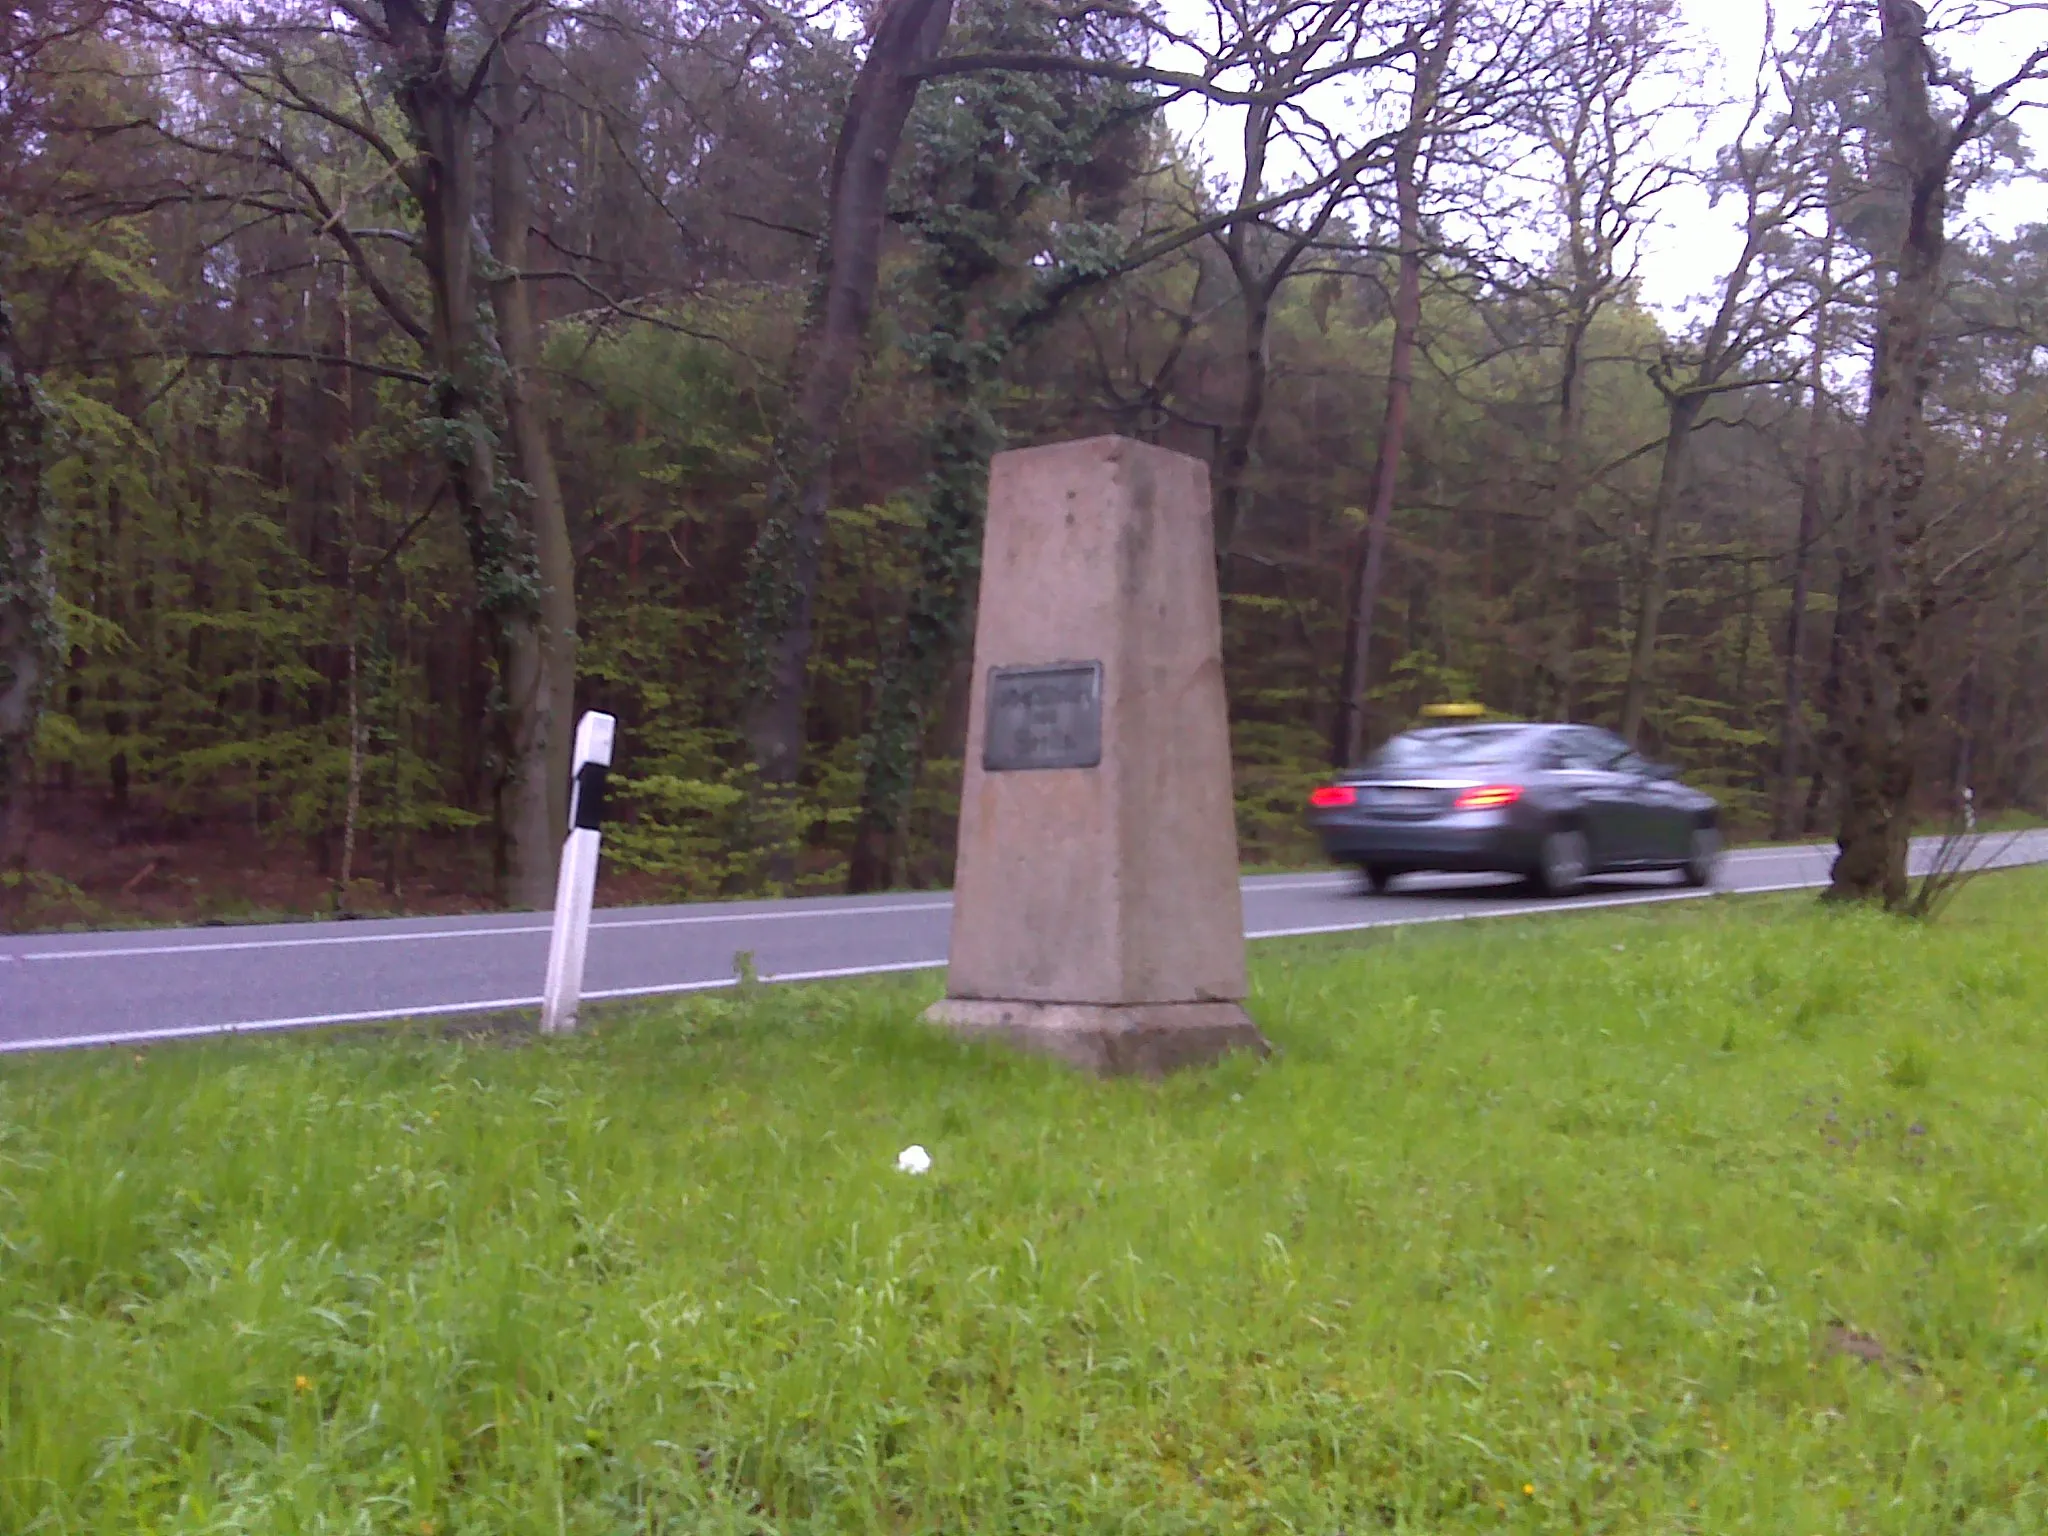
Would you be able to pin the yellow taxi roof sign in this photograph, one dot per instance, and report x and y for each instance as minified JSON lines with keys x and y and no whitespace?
{"x":1454,"y":711}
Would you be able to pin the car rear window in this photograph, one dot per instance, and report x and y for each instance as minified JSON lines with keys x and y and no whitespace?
{"x":1449,"y":749}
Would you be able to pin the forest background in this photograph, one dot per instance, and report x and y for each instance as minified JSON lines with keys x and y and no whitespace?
{"x":382,"y":382}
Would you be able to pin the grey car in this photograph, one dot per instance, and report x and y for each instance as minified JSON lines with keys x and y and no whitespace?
{"x":1553,"y":803}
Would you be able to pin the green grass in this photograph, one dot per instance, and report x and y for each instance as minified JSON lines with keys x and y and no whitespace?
{"x":1719,"y":1217}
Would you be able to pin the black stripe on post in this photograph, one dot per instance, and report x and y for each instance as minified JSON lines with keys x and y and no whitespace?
{"x":586,"y":804}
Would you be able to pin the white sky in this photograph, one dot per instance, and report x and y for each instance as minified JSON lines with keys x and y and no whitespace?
{"x":1683,"y":256}
{"x":1687,"y":252}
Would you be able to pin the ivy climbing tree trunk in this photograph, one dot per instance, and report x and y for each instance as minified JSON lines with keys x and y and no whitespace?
{"x":984,"y":162}
{"x":783,"y":567}
{"x":963,"y":360}
{"x":912,"y":675}
{"x":28,"y":629}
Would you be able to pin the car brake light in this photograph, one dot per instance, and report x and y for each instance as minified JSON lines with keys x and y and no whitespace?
{"x":1489,"y":797}
{"x":1330,"y":796}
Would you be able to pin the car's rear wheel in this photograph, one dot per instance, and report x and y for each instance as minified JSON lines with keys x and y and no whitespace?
{"x":1376,"y":877}
{"x":1704,"y":861}
{"x":1563,"y":862}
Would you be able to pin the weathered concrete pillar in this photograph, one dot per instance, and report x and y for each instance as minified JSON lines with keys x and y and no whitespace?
{"x":1096,"y":912}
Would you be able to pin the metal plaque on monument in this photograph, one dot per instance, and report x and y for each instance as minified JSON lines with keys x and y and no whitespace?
{"x":1096,"y":910}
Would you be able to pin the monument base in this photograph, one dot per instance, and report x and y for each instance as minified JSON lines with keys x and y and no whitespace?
{"x":1111,"y":1039}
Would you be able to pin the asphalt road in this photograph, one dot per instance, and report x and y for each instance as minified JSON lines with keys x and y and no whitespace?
{"x":61,"y":990}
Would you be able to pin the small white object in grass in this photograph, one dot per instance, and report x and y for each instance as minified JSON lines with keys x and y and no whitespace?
{"x":914,"y":1159}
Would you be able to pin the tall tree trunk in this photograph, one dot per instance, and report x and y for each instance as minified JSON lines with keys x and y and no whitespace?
{"x":1228,"y":486}
{"x":1681,"y":415}
{"x":526,"y":423}
{"x":1558,"y":580}
{"x":1963,"y":761}
{"x":1685,"y":400}
{"x":783,"y":566}
{"x":28,"y":625}
{"x":345,"y":477}
{"x":1347,"y":738}
{"x":1842,"y":636}
{"x":1791,"y":721}
{"x":1885,"y":691}
{"x":1234,"y":447}
{"x":1743,"y":647}
{"x":352,"y":803}
{"x":466,"y":395}
{"x":397,"y":654}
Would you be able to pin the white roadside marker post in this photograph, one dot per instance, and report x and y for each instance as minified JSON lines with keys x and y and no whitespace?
{"x":577,"y":882}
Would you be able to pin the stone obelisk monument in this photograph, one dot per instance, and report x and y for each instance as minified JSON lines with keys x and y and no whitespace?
{"x":1096,"y":911}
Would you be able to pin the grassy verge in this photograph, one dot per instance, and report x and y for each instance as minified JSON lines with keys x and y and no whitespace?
{"x":1715,"y":1217}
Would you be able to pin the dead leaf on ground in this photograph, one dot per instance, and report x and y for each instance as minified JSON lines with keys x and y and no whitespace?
{"x":1841,"y":1339}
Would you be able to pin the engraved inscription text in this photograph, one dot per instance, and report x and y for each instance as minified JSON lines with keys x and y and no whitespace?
{"x":1044,"y":717}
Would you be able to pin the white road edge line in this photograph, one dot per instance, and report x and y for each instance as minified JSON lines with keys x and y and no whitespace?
{"x":227,"y":946}
{"x":441,"y":1010}
{"x":1335,"y":878}
{"x":130,"y":951}
{"x":1648,"y":898}
{"x":445,"y":1010}
{"x":841,"y":973}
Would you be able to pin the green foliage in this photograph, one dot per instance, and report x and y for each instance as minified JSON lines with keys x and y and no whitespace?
{"x":1277,"y":765}
{"x":31,"y":633}
{"x":226,"y":529}
{"x":1548,"y":1224}
{"x":691,"y":831}
{"x":39,"y":899}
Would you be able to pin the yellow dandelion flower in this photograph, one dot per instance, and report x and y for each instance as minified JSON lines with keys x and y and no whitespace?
{"x":302,"y":1383}
{"x":1529,"y":1489}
